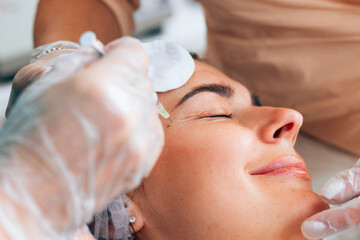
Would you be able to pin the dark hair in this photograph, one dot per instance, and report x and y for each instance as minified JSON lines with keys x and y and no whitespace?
{"x":195,"y":56}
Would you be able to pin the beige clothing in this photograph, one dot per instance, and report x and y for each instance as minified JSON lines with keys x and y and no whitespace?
{"x":301,"y":54}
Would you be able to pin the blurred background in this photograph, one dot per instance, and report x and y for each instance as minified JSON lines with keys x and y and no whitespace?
{"x":180,"y":21}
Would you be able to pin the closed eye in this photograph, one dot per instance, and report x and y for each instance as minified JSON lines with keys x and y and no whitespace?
{"x":220,"y":116}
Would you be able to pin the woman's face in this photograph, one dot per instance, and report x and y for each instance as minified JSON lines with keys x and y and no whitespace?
{"x":216,"y":177}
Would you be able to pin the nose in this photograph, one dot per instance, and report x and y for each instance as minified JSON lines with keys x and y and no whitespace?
{"x":280,"y":124}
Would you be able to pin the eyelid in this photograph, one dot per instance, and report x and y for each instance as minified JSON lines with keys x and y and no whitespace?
{"x":215,"y":113}
{"x":221,"y":115}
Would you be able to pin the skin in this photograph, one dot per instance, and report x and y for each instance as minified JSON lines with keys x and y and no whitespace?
{"x":67,"y":20}
{"x":201,"y":186}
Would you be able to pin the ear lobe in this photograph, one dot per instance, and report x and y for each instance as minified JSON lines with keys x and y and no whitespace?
{"x":135,"y":212}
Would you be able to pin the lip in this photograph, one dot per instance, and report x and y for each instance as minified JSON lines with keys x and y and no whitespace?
{"x":288,"y":165}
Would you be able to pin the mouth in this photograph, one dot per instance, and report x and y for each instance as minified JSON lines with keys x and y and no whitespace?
{"x":288,"y":165}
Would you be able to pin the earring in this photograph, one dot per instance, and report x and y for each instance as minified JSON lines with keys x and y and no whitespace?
{"x":132,"y":219}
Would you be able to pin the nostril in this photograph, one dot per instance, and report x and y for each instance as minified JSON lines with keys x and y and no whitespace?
{"x":277,"y":133}
{"x":286,"y":128}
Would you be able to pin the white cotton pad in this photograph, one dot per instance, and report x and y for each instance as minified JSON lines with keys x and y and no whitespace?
{"x":170,"y":66}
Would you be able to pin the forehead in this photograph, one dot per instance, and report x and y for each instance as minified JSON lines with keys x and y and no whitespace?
{"x":203,"y":74}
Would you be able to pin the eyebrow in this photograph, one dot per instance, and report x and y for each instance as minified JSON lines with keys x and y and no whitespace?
{"x":255,"y":100}
{"x":220,"y":89}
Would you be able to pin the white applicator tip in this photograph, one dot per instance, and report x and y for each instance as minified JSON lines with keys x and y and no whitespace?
{"x":89,"y":39}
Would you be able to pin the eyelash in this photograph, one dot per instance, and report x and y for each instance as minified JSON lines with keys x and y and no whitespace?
{"x":220,"y":116}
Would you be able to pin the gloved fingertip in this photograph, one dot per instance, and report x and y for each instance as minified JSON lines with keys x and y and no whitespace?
{"x":333,"y":189}
{"x":120,"y":42}
{"x":7,"y":111}
{"x":47,"y":69}
{"x":32,"y":76}
{"x":313,"y":229}
{"x":78,"y":59}
{"x":357,"y":164}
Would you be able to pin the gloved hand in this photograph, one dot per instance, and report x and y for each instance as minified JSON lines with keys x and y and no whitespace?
{"x":77,"y":138}
{"x":43,"y":60}
{"x":344,"y":189}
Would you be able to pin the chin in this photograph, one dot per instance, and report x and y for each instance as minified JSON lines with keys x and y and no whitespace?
{"x":315,"y":204}
{"x":310,"y":204}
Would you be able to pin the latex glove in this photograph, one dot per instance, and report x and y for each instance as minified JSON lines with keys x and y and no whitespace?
{"x":344,"y":189}
{"x":40,"y":65}
{"x":76,"y":139}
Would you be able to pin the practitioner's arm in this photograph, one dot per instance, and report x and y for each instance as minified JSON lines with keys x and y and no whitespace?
{"x":68,"y":19}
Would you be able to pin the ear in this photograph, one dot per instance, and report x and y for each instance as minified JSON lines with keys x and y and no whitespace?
{"x":135,"y":211}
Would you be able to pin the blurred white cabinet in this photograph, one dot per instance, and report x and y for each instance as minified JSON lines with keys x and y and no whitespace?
{"x":16,"y":24}
{"x":17,"y":19}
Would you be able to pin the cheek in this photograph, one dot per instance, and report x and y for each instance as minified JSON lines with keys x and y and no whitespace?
{"x":200,"y":171}
{"x":201,"y":176}
{"x":211,"y":147}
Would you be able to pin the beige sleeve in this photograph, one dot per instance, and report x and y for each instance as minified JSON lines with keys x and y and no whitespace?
{"x":123,"y":12}
{"x":300,"y":54}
